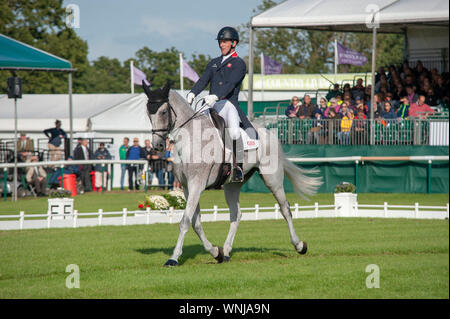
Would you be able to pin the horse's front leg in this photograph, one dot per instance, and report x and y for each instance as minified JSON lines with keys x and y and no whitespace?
{"x":195,"y":191}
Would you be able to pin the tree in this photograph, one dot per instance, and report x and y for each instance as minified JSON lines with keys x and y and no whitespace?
{"x":42,"y":25}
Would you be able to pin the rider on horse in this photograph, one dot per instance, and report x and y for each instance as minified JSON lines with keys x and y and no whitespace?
{"x":225,"y":74}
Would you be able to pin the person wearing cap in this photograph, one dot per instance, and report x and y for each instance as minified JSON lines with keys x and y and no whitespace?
{"x":25,"y":146}
{"x":37,"y":177}
{"x":55,"y":138}
{"x":225,"y":74}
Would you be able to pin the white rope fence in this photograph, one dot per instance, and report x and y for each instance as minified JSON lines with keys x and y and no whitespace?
{"x":125,"y":217}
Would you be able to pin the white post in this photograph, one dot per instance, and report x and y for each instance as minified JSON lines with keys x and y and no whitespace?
{"x":100,"y":216}
{"x":416,"y":210}
{"x":256,"y":211}
{"x":447,"y":212}
{"x":131,"y":77}
{"x":215,"y":212}
{"x":75,"y":218}
{"x":385,"y":209}
{"x":316,"y":209}
{"x":124,"y":216}
{"x":277,"y":208}
{"x":22,"y":218}
{"x":355,"y":209}
{"x":170,"y":214}
{"x":49,"y":217}
{"x":181,"y":74}
{"x":296,"y":210}
{"x":262,"y":76}
{"x":335,"y":59}
{"x":147,"y":215}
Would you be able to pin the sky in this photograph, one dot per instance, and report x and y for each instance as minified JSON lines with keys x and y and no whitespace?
{"x":118,"y":28}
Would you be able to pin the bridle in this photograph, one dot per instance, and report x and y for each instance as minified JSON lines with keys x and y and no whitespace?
{"x":171,"y":125}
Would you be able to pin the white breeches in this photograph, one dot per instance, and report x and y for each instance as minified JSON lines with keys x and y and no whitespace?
{"x":231,"y":116}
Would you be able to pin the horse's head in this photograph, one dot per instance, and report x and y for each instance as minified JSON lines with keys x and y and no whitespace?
{"x":160,"y":113}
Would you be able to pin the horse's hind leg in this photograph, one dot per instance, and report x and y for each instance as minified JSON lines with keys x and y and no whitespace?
{"x":275,"y":183}
{"x":232,"y":192}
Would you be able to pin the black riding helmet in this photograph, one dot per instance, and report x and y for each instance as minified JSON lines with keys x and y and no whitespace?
{"x":228,"y":33}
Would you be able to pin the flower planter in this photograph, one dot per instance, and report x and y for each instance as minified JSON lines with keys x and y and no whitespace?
{"x":345,"y":203}
{"x":59,"y":208}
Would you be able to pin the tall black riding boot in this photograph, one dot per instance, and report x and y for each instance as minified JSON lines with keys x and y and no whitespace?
{"x":237,"y":175}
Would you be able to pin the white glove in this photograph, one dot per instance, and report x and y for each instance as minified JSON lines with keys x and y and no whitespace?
{"x":211,"y":99}
{"x":190,"y":97}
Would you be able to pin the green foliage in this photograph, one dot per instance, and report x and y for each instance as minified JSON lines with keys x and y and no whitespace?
{"x":345,"y":187}
{"x":59,"y":193}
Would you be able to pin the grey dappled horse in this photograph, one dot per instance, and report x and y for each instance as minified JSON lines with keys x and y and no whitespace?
{"x":169,"y":112}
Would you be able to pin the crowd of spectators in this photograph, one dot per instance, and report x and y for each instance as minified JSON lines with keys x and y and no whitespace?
{"x":400,"y":92}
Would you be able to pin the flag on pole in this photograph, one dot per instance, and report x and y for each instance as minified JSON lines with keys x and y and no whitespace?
{"x":138,"y":76}
{"x":188,"y":72}
{"x":349,"y":56}
{"x":271,"y":66}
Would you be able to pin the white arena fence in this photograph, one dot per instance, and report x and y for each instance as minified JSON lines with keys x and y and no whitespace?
{"x":125,"y":217}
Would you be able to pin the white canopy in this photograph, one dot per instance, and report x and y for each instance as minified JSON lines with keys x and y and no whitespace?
{"x":352,"y":15}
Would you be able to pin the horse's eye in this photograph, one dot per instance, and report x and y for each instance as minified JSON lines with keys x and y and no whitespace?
{"x":164,"y":112}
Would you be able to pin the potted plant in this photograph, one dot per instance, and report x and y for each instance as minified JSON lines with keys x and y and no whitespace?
{"x":60,"y":203}
{"x":345,"y":199}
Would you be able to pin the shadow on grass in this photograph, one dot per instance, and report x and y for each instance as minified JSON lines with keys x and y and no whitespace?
{"x":191,"y":251}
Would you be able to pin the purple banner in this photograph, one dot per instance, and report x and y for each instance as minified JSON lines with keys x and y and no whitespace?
{"x":189,"y":73}
{"x":138,"y":76}
{"x":271,"y":66}
{"x":349,"y":56}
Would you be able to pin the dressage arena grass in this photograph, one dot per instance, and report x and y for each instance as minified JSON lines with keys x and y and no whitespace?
{"x":126,"y":261}
{"x":117,"y":200}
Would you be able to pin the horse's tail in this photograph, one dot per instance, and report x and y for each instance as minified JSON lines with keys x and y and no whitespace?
{"x":304,"y":184}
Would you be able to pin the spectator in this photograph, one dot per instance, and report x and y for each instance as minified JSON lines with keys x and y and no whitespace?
{"x":321,"y":107}
{"x":403,"y":109}
{"x":83,"y":152}
{"x":331,"y":105}
{"x":306,"y":110}
{"x":360,"y":126}
{"x":25,"y":146}
{"x":169,"y":157}
{"x":101,"y":154}
{"x":148,"y":157}
{"x":317,"y":131}
{"x":442,"y":89}
{"x":332,"y":94}
{"x":358,"y":89}
{"x":346,"y":126}
{"x":412,"y":96}
{"x":158,"y":164}
{"x":55,"y":137}
{"x":420,"y":109}
{"x":37,"y":177}
{"x":293,"y":108}
{"x":344,"y":109}
{"x":135,"y":152}
{"x":388,"y":112}
{"x":350,"y":103}
{"x":389,"y":97}
{"x":431,"y":99}
{"x":68,"y":169}
{"x":123,"y":156}
{"x":360,"y":105}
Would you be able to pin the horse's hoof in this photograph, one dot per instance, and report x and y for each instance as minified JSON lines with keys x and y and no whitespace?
{"x":171,"y":263}
{"x":220,"y":256}
{"x":304,"y":248}
{"x":226,"y":259}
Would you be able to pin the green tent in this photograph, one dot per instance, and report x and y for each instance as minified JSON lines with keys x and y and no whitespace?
{"x":15,"y":55}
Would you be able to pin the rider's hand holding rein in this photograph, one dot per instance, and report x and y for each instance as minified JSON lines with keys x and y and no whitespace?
{"x":190,"y":97}
{"x":211,"y":99}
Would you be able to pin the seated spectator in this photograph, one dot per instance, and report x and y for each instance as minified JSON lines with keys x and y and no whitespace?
{"x":56,"y":137}
{"x":333,"y":115}
{"x":389,"y":97}
{"x":403,"y":108}
{"x":101,"y":154}
{"x":331,"y":105}
{"x":388,"y":112}
{"x":358,"y":89}
{"x":360,"y":105}
{"x":346,"y":89}
{"x":335,"y":91}
{"x":293,"y":108}
{"x":306,"y":110}
{"x":441,"y":89}
{"x":37,"y":177}
{"x":321,"y":107}
{"x":68,"y":169}
{"x":344,"y":109}
{"x":25,"y":147}
{"x":420,"y":109}
{"x":348,"y":99}
{"x":431,"y":99}
{"x":317,"y":131}
{"x":411,"y":93}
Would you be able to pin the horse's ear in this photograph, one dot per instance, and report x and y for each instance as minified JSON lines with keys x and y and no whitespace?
{"x":166,"y":88}
{"x":146,"y":90}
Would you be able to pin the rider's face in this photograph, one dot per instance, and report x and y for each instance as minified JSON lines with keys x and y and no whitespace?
{"x":225,"y":46}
